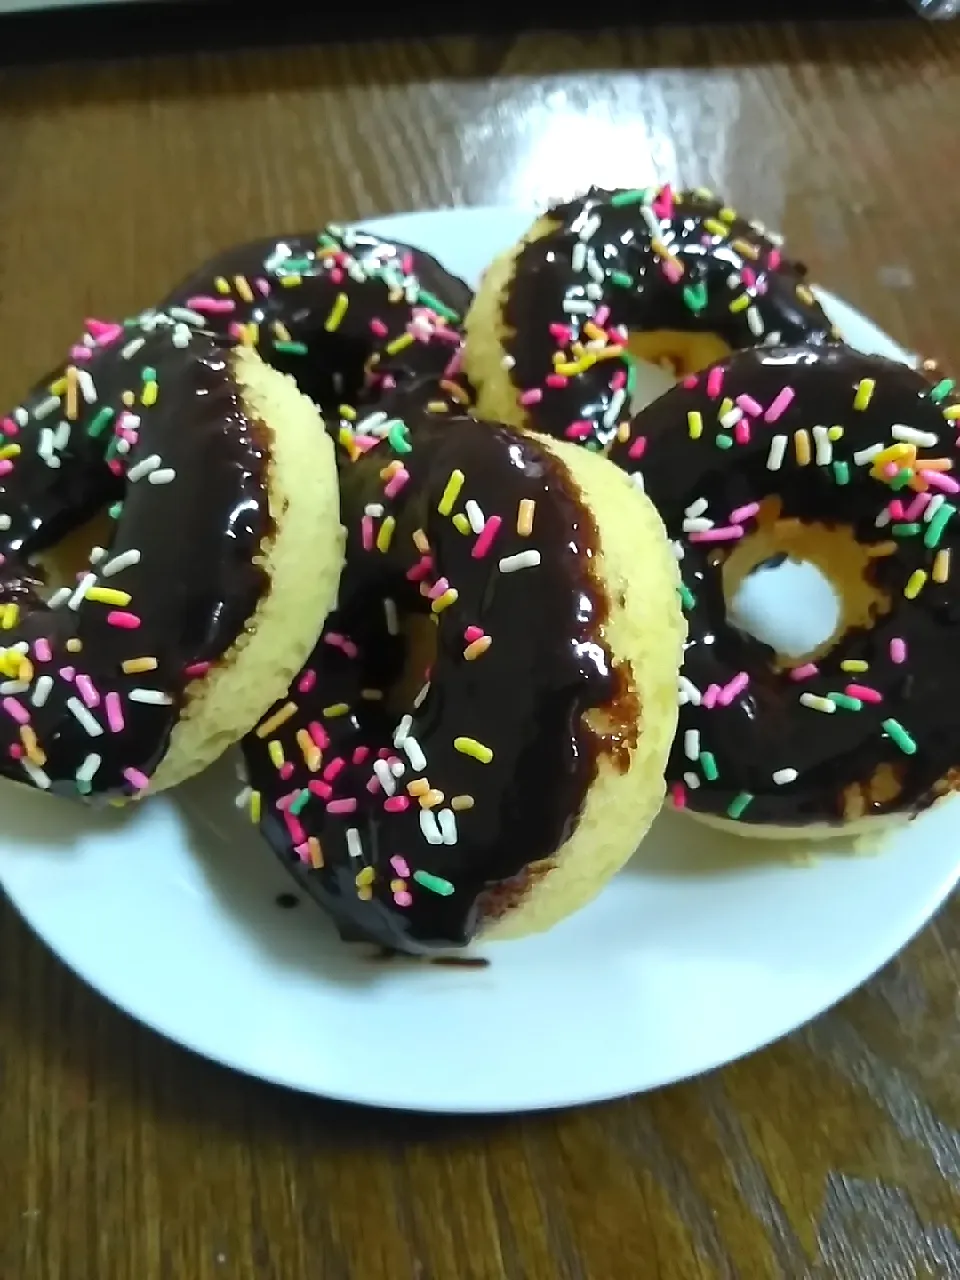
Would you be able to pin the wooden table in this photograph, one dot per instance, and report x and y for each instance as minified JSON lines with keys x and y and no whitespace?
{"x":835,"y":1153}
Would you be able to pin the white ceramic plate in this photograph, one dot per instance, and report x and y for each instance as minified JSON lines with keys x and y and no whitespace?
{"x":700,"y":951}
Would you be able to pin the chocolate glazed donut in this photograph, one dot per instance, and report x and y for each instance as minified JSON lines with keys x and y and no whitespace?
{"x":344,"y":312}
{"x":862,"y":453}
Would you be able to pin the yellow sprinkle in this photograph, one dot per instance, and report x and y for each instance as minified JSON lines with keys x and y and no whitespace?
{"x":805,"y":295}
{"x":59,"y":387}
{"x":109,"y":595}
{"x":338,"y":311}
{"x":312,"y":755}
{"x":461,"y":523}
{"x":30,"y":745}
{"x":347,"y":411}
{"x":279,"y":717}
{"x":714,"y":227}
{"x":726,"y":214}
{"x":881,"y":549}
{"x":10,"y":663}
{"x":952,"y":412}
{"x":129,"y":399}
{"x":347,"y":443}
{"x":902,"y":453}
{"x":10,"y":451}
{"x":396,"y":885}
{"x":134,"y":666}
{"x":315,"y":852}
{"x":221,"y":284}
{"x":525,"y":517}
{"x":746,"y":249}
{"x":695,"y":424}
{"x":399,"y":344}
{"x":11,"y":615}
{"x":855,"y":664}
{"x":371,"y":695}
{"x":74,"y":644}
{"x":741,"y":303}
{"x":608,"y":353}
{"x":915,"y":584}
{"x":291,"y":282}
{"x":150,"y":393}
{"x":451,"y":492}
{"x":571,"y":369}
{"x":623,"y":432}
{"x":255,"y":805}
{"x":477,"y":648}
{"x":726,"y":404}
{"x":385,"y":534}
{"x":249,"y":334}
{"x":941,"y":565}
{"x":661,"y":250}
{"x":835,"y":433}
{"x":437,"y":406}
{"x":391,"y":469}
{"x":449,"y":597}
{"x":431,"y":798}
{"x":365,"y":876}
{"x":243,"y":288}
{"x":281,"y":331}
{"x":476,"y":750}
{"x":72,"y":403}
{"x":421,"y":542}
{"x":275,"y":751}
{"x":336,"y":709}
{"x":864,"y":395}
{"x":418,"y":787}
{"x":459,"y":803}
{"x":25,"y":670}
{"x":801,"y":443}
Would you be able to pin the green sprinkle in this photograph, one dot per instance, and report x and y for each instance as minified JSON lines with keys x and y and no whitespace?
{"x":295,"y":265}
{"x":298,"y":805}
{"x":291,"y":348}
{"x":100,"y":422}
{"x":399,"y":438}
{"x":904,"y":530}
{"x":326,"y":241}
{"x":148,"y":373}
{"x":111,"y":450}
{"x":436,"y":884}
{"x":695,"y":296}
{"x":631,"y":386}
{"x":84,"y":787}
{"x":687,"y":598}
{"x":942,"y":390}
{"x":723,"y":442}
{"x":845,"y":702}
{"x":622,"y":279}
{"x":902,"y":478}
{"x":433,"y":302}
{"x":935,"y":528}
{"x":594,"y":446}
{"x":841,"y":472}
{"x":708,"y":764}
{"x":738,"y":804}
{"x":635,"y":196}
{"x":900,"y":736}
{"x":115,"y":511}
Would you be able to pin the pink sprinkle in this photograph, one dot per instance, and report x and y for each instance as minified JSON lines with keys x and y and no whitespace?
{"x":15,"y":751}
{"x":678,"y":794}
{"x":334,"y":768}
{"x":406,"y":263}
{"x":373,"y":785}
{"x":556,"y":380}
{"x":114,"y":711}
{"x":378,"y":327}
{"x":196,"y":670}
{"x":561,"y":334}
{"x":87,"y":691}
{"x":725,"y":533}
{"x":100,"y":328}
{"x":9,"y":427}
{"x":403,"y":898}
{"x":891,"y":470}
{"x":6,"y":466}
{"x":750,"y":406}
{"x":396,"y":482}
{"x":262,"y":286}
{"x":422,"y":569}
{"x":15,"y":709}
{"x":286,"y":771}
{"x":619,"y":380}
{"x":236,"y":329}
{"x":307,"y":681}
{"x":456,"y":360}
{"x":733,"y":690}
{"x":672,"y":270}
{"x":400,"y":866}
{"x":485,"y":538}
{"x":80,"y":355}
{"x":321,"y":789}
{"x":137,"y":778}
{"x":337,"y":807}
{"x":533,"y":396}
{"x":387,"y":383}
{"x":397,"y":804}
{"x":898,"y":650}
{"x":895,"y":510}
{"x":636,"y":450}
{"x":360,"y":754}
{"x":336,"y":275}
{"x":804,"y":672}
{"x":774,"y":259}
{"x":602,"y":316}
{"x":115,"y":467}
{"x":578,"y":430}
{"x":709,"y":699}
{"x":744,"y":513}
{"x":302,"y":850}
{"x":318,"y":734}
{"x":937,"y":480}
{"x":337,"y":641}
{"x":366,"y":532}
{"x":780,"y":404}
{"x":297,"y":833}
{"x":916,"y":507}
{"x":471,"y":634}
{"x":662,"y":204}
{"x":212,"y":306}
{"x":439,"y":587}
{"x":690,"y":381}
{"x":715,"y":382}
{"x":741,"y":432}
{"x":122,"y":619}
{"x":748,"y":276}
{"x":42,"y":651}
{"x":863,"y":692}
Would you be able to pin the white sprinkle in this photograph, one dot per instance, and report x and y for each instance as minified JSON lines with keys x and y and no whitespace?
{"x":679,"y":550}
{"x":816,"y":703}
{"x":382,"y":771}
{"x":44,"y":409}
{"x":691,"y":779}
{"x":613,"y":409}
{"x":45,"y":447}
{"x":522,"y":560}
{"x":421,"y":696}
{"x":390,"y":615}
{"x":783,"y":776}
{"x":572,"y":307}
{"x":89,"y":768}
{"x":374,"y":510}
{"x":578,"y":259}
{"x":186,"y":316}
{"x":87,"y":386}
{"x":883,"y":519}
{"x":61,"y":437}
{"x":122,"y":446}
{"x":5,"y":522}
{"x":152,"y":697}
{"x":447,"y":822}
{"x":181,"y":337}
{"x":163,"y":476}
{"x":83,"y":716}
{"x":123,"y":561}
{"x":428,"y":825}
{"x":595,"y":271}
{"x":59,"y":597}
{"x":474,"y":515}
{"x":131,"y":349}
{"x":733,"y":280}
{"x":97,"y":554}
{"x":507,"y":362}
{"x":243,"y":797}
{"x":691,"y":744}
{"x":21,"y":417}
{"x":778,"y":449}
{"x":933,"y":506}
{"x":368,"y":426}
{"x":772,"y":339}
{"x":696,"y":508}
{"x":79,"y":594}
{"x":590,"y":225}
{"x":36,"y":775}
{"x":651,"y":219}
{"x":403,"y":729}
{"x":414,"y":753}
{"x":143,"y":467}
{"x":41,"y":690}
{"x":700,"y":525}
{"x":637,"y":481}
{"x":20,"y":647}
{"x":688,"y":692}
{"x":823,"y":447}
{"x":730,"y":420}
{"x":398,"y":768}
{"x":354,"y":843}
{"x":911,"y":435}
{"x":13,"y":687}
{"x":755,"y":321}
{"x":863,"y":456}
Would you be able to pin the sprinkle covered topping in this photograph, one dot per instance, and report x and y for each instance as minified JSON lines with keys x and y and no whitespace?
{"x":147,"y":422}
{"x":620,"y":263}
{"x":845,"y":442}
{"x":479,"y":612}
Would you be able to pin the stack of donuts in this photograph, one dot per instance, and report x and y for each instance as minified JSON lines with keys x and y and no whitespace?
{"x":454,"y":573}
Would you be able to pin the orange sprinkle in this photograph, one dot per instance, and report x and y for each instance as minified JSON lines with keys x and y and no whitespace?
{"x":134,"y":666}
{"x":279,"y":717}
{"x":312,"y":755}
{"x":314,"y":852}
{"x":745,"y":248}
{"x":418,"y":787}
{"x":72,"y":401}
{"x":881,"y":549}
{"x":454,"y":391}
{"x":430,"y":799}
{"x":801,"y":443}
{"x":421,"y":542}
{"x":243,"y":288}
{"x":32,"y":747}
{"x":477,"y":648}
{"x":525,"y":514}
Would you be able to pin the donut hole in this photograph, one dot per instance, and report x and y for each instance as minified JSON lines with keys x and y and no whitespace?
{"x":788,"y":604}
{"x":664,"y":356}
{"x":419,"y":635}
{"x":68,"y":558}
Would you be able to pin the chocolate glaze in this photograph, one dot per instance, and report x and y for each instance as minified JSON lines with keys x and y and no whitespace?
{"x":734,"y":283}
{"x":195,"y":584}
{"x":766,"y":729}
{"x":524,"y":697}
{"x":283,"y":294}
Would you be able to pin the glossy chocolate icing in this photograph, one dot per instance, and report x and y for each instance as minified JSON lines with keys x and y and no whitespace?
{"x":523,"y":696}
{"x":893,"y":738}
{"x":621,"y":261}
{"x":286,"y":294}
{"x":185,"y":481}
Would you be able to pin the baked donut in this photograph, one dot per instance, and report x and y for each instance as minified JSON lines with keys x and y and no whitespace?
{"x":571,"y":329}
{"x":218,"y":567}
{"x":496,"y":793}
{"x":846,"y":461}
{"x":345,"y":313}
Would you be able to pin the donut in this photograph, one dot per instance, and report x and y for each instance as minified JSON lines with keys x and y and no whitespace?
{"x":846,"y":461}
{"x":218,"y":566}
{"x":345,"y":313}
{"x":497,"y":792}
{"x":609,"y":298}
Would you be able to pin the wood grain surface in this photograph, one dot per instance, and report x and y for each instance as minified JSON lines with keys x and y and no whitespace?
{"x":835,"y":1153}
